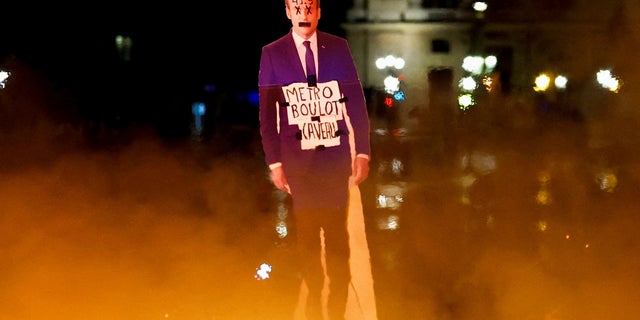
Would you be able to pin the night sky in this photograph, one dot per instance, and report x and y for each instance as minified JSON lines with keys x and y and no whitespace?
{"x":179,"y":49}
{"x":217,"y":41}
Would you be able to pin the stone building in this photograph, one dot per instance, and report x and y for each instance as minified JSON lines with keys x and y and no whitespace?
{"x":434,"y":36}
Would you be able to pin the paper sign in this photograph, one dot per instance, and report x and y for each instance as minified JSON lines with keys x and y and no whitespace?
{"x":316,"y":111}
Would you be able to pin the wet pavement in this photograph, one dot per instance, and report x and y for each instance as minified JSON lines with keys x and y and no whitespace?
{"x":498,"y":220}
{"x":500,"y":216}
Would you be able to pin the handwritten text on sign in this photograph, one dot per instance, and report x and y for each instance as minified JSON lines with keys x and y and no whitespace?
{"x":316,"y":111}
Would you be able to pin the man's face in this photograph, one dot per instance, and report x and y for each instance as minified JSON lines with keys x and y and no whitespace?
{"x":304,"y":16}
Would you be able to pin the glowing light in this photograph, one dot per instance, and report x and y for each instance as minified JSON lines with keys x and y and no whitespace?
{"x":468,"y":180}
{"x":542,"y":83}
{"x":263,"y":271}
{"x":390,"y":223}
{"x":542,"y":225}
{"x":253,"y":97}
{"x":399,"y":63}
{"x":465,"y":101}
{"x":391,"y":84}
{"x":490,"y":62}
{"x":473,"y":64}
{"x":4,"y":75}
{"x":399,"y":95}
{"x":468,"y":84}
{"x":399,"y":132}
{"x":382,"y":201}
{"x":381,"y":131}
{"x":607,"y":181}
{"x":283,"y":211}
{"x":480,"y":6}
{"x":543,"y":197}
{"x":282,"y":230}
{"x":198,"y":109}
{"x":390,"y":62}
{"x":478,"y":65}
{"x":544,"y":177}
{"x":608,"y":81}
{"x":388,"y":101}
{"x":123,"y":45}
{"x":390,"y":196}
{"x":397,"y":166}
{"x":561,"y":82}
{"x":389,"y":202}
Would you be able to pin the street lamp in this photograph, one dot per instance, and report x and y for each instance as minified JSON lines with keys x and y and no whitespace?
{"x":607,"y":80}
{"x":392,"y":81}
{"x":480,"y":7}
{"x":390,"y":62}
{"x":477,"y":67}
{"x":543,"y":82}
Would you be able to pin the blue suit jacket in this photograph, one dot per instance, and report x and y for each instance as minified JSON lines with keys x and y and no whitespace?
{"x":280,"y":66}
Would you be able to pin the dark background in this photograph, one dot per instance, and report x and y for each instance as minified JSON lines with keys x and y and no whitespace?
{"x":217,"y":41}
{"x":181,"y":52}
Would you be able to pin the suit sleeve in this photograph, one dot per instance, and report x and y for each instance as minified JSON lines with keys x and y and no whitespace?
{"x":269,"y":93}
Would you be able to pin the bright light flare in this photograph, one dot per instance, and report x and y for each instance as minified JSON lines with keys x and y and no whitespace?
{"x":490,"y":62}
{"x":390,"y":62}
{"x":4,"y":75}
{"x":391,"y":84}
{"x":607,"y":80}
{"x":542,"y":83}
{"x":262,"y":272}
{"x":480,"y":6}
{"x":561,"y":82}
{"x":465,"y":101}
{"x":468,"y":84}
{"x":478,"y":65}
{"x":473,"y":64}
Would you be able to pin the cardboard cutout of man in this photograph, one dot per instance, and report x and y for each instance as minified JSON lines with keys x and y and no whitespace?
{"x":315,"y":136}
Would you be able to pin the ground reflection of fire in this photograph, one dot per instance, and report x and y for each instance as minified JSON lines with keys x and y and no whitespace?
{"x":149,"y":231}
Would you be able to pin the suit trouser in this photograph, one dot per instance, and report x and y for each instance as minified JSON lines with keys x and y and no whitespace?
{"x":333,"y":222}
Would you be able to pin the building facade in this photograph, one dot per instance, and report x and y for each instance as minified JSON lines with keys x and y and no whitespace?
{"x":434,"y":37}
